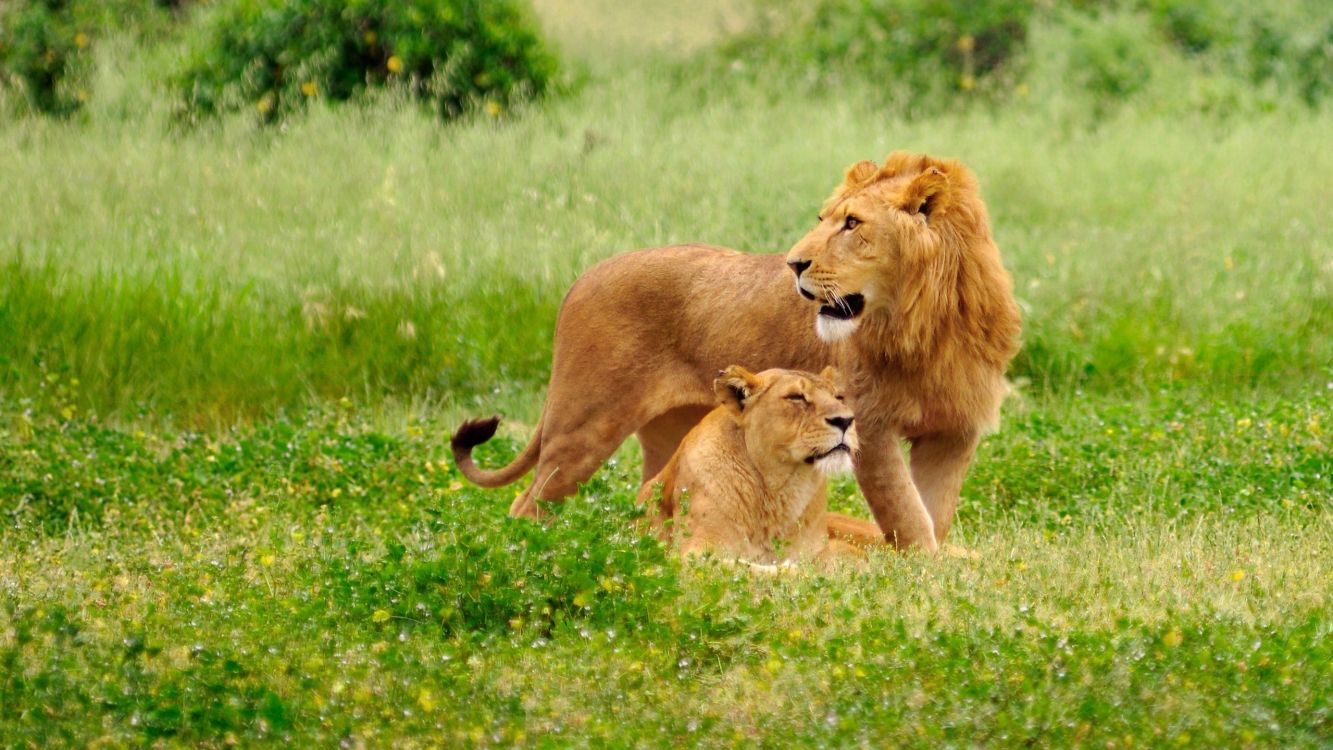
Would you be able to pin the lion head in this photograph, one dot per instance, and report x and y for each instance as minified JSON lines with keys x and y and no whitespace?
{"x":898,"y":242}
{"x":790,"y":417}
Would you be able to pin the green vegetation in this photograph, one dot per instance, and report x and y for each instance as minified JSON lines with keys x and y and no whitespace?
{"x":274,"y":56}
{"x":270,"y":58}
{"x":306,"y":581}
{"x":931,"y":55}
{"x":230,"y":359}
{"x":46,"y":46}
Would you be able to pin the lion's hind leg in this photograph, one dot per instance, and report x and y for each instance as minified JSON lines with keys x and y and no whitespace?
{"x":567,"y":460}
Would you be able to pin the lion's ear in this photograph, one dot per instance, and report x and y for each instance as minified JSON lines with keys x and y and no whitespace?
{"x":831,"y":374}
{"x":928,"y":192}
{"x":734,"y":386}
{"x":860,"y":173}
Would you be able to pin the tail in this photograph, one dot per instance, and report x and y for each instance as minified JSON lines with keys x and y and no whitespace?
{"x":474,"y":432}
{"x":854,"y":531}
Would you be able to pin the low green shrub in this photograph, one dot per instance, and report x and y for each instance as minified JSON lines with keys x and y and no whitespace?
{"x":46,"y":45}
{"x":918,"y":44}
{"x":1289,"y":47}
{"x":1111,"y":57}
{"x":933,"y":54}
{"x":273,"y":56}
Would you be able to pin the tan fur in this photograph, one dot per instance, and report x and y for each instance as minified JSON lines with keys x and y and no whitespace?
{"x":640,"y":336}
{"x":745,"y":483}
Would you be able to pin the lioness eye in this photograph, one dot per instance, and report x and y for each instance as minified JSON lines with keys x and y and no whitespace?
{"x":840,"y":397}
{"x":851,"y":223}
{"x":798,"y":398}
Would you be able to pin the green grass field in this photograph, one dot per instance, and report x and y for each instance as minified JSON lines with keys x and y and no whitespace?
{"x":230,"y":360}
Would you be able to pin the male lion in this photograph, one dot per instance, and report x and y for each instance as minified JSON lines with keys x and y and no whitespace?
{"x":747,"y":483}
{"x":914,"y":307}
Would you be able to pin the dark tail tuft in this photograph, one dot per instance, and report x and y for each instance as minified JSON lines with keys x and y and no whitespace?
{"x":474,"y":432}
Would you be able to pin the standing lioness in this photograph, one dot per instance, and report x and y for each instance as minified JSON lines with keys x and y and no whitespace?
{"x":748,"y":482}
{"x":912,"y":304}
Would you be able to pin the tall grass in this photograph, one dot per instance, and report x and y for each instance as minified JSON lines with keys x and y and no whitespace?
{"x":377,"y":252}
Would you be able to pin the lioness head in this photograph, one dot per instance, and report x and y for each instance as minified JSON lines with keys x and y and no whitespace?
{"x":886,"y":236}
{"x":791,"y":417}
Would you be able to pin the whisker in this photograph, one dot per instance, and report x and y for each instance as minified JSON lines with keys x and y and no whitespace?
{"x":839,"y":300}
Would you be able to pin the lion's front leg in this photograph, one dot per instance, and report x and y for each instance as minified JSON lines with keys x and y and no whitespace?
{"x":939,"y":465}
{"x":889,"y":491}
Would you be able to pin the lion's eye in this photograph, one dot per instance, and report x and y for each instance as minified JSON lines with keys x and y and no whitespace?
{"x":795,"y":398}
{"x":851,"y":223}
{"x":840,"y":397}
{"x":820,"y":218}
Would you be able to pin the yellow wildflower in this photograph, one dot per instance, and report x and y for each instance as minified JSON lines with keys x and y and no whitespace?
{"x":493,"y":109}
{"x":309,"y":88}
{"x":81,"y":40}
{"x":394,"y":64}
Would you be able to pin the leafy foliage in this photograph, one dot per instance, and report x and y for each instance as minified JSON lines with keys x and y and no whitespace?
{"x":46,"y":45}
{"x":1290,"y":48}
{"x":915,"y":51}
{"x":901,"y":44}
{"x":272,"y":56}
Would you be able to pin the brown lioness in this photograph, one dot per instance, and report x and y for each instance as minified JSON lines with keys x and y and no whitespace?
{"x":913,"y":306}
{"x":747,"y":483}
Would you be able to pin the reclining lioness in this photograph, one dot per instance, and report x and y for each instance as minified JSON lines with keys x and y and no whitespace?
{"x":747,"y":483}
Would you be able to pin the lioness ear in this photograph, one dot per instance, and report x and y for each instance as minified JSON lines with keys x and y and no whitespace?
{"x":734,"y":386}
{"x":832,"y":375}
{"x":860,"y":173}
{"x":927,"y":193}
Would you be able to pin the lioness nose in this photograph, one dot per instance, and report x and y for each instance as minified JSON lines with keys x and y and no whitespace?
{"x":841,"y":423}
{"x":798,"y":266}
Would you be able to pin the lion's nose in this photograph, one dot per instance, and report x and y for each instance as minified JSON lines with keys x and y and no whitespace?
{"x":841,"y":423}
{"x":798,"y":266}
